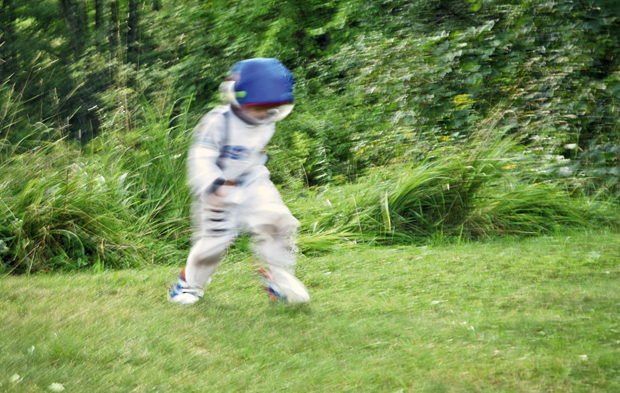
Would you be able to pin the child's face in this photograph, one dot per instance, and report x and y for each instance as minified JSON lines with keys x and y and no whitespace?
{"x":259,"y":112}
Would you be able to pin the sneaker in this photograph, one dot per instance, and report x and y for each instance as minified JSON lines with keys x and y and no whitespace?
{"x":183,"y":293}
{"x":283,"y":287}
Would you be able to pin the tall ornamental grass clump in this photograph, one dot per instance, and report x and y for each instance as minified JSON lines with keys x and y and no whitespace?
{"x":492,"y":186}
{"x":157,"y":165}
{"x":60,"y":210}
{"x":119,"y":201}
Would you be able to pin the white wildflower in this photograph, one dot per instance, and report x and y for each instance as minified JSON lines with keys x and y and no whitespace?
{"x":56,"y":387}
{"x":565,"y":171}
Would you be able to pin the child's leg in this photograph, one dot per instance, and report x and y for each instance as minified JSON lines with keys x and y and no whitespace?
{"x":274,"y":228}
{"x":203,"y":260}
{"x":214,"y":229}
{"x":214,"y":222}
{"x":273,"y":225}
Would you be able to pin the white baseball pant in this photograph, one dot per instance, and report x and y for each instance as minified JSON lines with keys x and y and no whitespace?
{"x":256,"y":207}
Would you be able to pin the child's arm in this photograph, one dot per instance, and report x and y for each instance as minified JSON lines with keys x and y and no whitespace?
{"x":204,"y":175}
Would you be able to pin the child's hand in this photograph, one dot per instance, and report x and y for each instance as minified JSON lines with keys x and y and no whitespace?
{"x":225,"y":188}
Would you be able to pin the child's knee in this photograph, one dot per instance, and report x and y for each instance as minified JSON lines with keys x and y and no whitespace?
{"x":273,"y":222}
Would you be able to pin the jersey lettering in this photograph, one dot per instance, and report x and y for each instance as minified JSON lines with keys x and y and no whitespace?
{"x":235,"y":152}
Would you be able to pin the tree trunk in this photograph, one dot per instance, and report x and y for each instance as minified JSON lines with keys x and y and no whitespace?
{"x":7,"y":54}
{"x":114,"y":36}
{"x":133,"y":22}
{"x":76,"y":20}
{"x":82,"y":19}
{"x":99,"y":23}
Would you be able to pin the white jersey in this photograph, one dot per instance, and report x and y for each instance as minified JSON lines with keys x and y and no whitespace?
{"x":226,"y":148}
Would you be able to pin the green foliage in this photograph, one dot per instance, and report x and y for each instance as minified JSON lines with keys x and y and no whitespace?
{"x":118,"y":204}
{"x":60,"y":211}
{"x":494,"y":186}
{"x":375,"y":78}
{"x":387,"y":91}
{"x":415,"y":121}
{"x":157,"y":162}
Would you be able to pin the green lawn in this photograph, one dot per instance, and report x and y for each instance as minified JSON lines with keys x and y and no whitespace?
{"x":539,"y":315}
